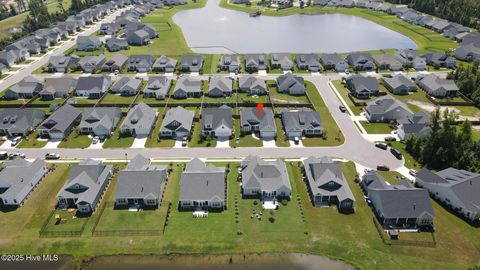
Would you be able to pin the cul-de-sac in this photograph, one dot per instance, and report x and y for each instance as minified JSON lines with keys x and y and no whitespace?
{"x":240,"y":134}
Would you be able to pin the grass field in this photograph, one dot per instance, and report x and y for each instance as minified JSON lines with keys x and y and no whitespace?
{"x":153,"y":140}
{"x":197,"y":141}
{"x":245,"y":140}
{"x":343,"y":91}
{"x":32,"y":142}
{"x":410,"y":162}
{"x":117,"y":140}
{"x":75,"y":140}
{"x":376,"y":128}
{"x":281,"y":140}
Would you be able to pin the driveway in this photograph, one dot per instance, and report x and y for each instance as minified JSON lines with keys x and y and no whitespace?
{"x":139,"y":142}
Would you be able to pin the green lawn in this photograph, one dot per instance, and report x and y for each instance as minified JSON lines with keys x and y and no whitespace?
{"x":32,"y":142}
{"x":58,"y":101}
{"x":224,"y":100}
{"x":153,"y":140}
{"x":281,"y":140}
{"x":83,"y":100}
{"x":247,"y":98}
{"x":343,"y":91}
{"x":117,"y":140}
{"x":418,"y":96}
{"x":75,"y":140}
{"x":69,"y":222}
{"x":197,"y":141}
{"x":410,"y":162}
{"x":117,"y":99}
{"x":13,"y":101}
{"x":392,"y":177}
{"x":282,"y":98}
{"x":245,"y":140}
{"x":376,"y":128}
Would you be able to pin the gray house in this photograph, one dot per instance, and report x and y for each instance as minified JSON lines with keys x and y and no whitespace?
{"x":100,"y":121}
{"x":230,"y":63}
{"x":220,"y":87}
{"x":455,"y":188}
{"x":217,"y":122}
{"x":417,"y":125}
{"x":19,"y":121}
{"x":398,"y":206}
{"x":436,"y":86}
{"x":191,"y":63}
{"x":62,"y":63}
{"x":387,"y":62}
{"x":362,"y":87}
{"x":138,"y":38}
{"x":333,"y":62}
{"x":281,"y":61}
{"x":411,"y":59}
{"x":139,"y":121}
{"x":203,"y":187}
{"x":165,"y":64}
{"x":90,"y":64}
{"x":116,"y":44}
{"x":140,"y":63}
{"x":60,"y":123}
{"x":440,"y":60}
{"x":28,"y":87}
{"x":361,"y":62}
{"x":177,"y":123}
{"x":18,"y":179}
{"x":252,"y":85}
{"x":327,"y":184}
{"x":127,"y":86}
{"x":267,"y":180}
{"x":303,"y":122}
{"x":385,"y":109}
{"x":58,"y":88}
{"x":469,"y":50}
{"x":141,"y":184}
{"x":109,"y":28}
{"x":116,"y":63}
{"x":188,"y":87}
{"x":85,"y":186}
{"x":399,"y":85}
{"x":8,"y":58}
{"x":255,"y":62}
{"x":157,"y":87}
{"x":92,"y":87}
{"x":308,"y":62}
{"x":261,"y":123}
{"x":88,"y":43}
{"x":291,"y":84}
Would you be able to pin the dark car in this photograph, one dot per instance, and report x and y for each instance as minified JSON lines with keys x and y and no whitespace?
{"x":396,"y":153}
{"x":381,"y":146}
{"x":342,"y":108}
{"x":383,"y":168}
{"x":390,"y":139}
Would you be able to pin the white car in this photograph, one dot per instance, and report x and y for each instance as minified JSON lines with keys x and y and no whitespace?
{"x":412,"y":172}
{"x":95,"y":140}
{"x":52,"y":156}
{"x":15,"y":141}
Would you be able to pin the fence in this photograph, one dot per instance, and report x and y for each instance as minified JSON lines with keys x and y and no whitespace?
{"x":400,"y":242}
{"x":466,"y":102}
{"x":51,"y":234}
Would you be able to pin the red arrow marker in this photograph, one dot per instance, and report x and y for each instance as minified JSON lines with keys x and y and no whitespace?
{"x":260,"y":110}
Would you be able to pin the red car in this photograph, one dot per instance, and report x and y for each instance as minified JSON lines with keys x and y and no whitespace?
{"x":383,"y":168}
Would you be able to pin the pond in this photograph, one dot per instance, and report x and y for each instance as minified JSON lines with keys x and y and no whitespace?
{"x":216,"y":30}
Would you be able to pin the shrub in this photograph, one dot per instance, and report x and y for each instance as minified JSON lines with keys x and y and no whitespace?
{"x":284,"y":202}
{"x":255,"y":202}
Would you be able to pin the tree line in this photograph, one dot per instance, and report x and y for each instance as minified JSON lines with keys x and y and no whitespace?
{"x":448,"y":145}
{"x":465,"y":12}
{"x":467,"y":78}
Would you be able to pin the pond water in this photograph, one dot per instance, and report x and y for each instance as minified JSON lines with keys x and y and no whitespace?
{"x":213,"y":29}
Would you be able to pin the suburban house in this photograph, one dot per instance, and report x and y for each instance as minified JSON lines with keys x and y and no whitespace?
{"x":436,"y":86}
{"x":252,"y":85}
{"x":177,"y":123}
{"x":291,"y":84}
{"x":92,"y":87}
{"x":3,"y":69}
{"x":203,"y":187}
{"x":138,"y":38}
{"x":188,"y":87}
{"x":157,"y":87}
{"x":469,"y":50}
{"x":411,"y":59}
{"x":127,"y":86}
{"x":19,"y":121}
{"x":27,"y":88}
{"x":58,"y":88}
{"x":220,"y":87}
{"x":327,"y":184}
{"x":399,"y":85}
{"x":333,"y":62}
{"x":308,"y":62}
{"x":18,"y":179}
{"x":255,"y":62}
{"x":217,"y":122}
{"x":398,"y":206}
{"x":303,"y":122}
{"x":109,"y":28}
{"x":88,"y":43}
{"x":116,"y":44}
{"x":385,"y":109}
{"x":361,"y":62}
{"x":140,"y":63}
{"x":230,"y":63}
{"x":281,"y":61}
{"x":165,"y":64}
{"x":387,"y":62}
{"x":133,"y":27}
{"x":116,"y":63}
{"x":85,"y":186}
{"x":62,"y":63}
{"x":362,"y":87}
{"x":100,"y":121}
{"x":258,"y":122}
{"x":60,"y":123}
{"x":139,"y":121}
{"x":440,"y":60}
{"x":417,"y":125}
{"x":457,"y":189}
{"x":8,"y":58}
{"x":191,"y":63}
{"x":265,"y":179}
{"x":141,"y":184}
{"x":90,"y":64}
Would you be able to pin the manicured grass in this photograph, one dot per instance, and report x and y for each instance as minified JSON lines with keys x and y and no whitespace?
{"x":185,"y":100}
{"x":197,"y":141}
{"x":117,"y":140}
{"x":69,"y":222}
{"x":82,"y":100}
{"x":117,"y":99}
{"x":153,"y":140}
{"x":245,"y":140}
{"x":246,"y":98}
{"x":343,"y":91}
{"x":282,"y":98}
{"x":281,"y":140}
{"x":75,"y":140}
{"x":56,"y":101}
{"x":392,"y":177}
{"x":418,"y":96}
{"x":410,"y":162}
{"x":13,"y":101}
{"x":376,"y":128}
{"x":468,"y":111}
{"x":32,"y":142}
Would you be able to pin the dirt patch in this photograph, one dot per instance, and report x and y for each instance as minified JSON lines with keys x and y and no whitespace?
{"x":429,"y":107}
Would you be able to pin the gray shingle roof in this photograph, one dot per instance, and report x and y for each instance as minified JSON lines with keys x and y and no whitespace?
{"x":250,"y":117}
{"x":180,"y":115}
{"x":301,"y":120}
{"x":217,"y":117}
{"x":61,"y":119}
{"x":16,"y":119}
{"x":17,"y":174}
{"x":222,"y":84}
{"x":140,"y":116}
{"x":159,"y":85}
{"x":130,"y":84}
{"x":202,"y":182}
{"x":188,"y":84}
{"x":359,"y":84}
{"x":388,"y":107}
{"x":93,"y":84}
{"x":54,"y":85}
{"x":266,"y":175}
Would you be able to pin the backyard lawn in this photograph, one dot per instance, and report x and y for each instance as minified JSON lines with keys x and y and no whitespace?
{"x":376,"y":128}
{"x":117,"y":99}
{"x":247,"y":98}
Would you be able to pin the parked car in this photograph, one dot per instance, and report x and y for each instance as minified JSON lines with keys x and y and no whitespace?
{"x":184,"y":141}
{"x":383,"y":168}
{"x":13,"y":155}
{"x":52,"y":156}
{"x":3,"y":155}
{"x":381,"y":146}
{"x":396,"y":153}
{"x":15,"y":141}
{"x":390,"y":139}
{"x":296,"y":140}
{"x":412,"y":172}
{"x":95,"y":140}
{"x":102,"y":138}
{"x":342,"y":108}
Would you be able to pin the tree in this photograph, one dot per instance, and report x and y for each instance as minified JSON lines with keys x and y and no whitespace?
{"x":61,"y":7}
{"x":38,"y":16}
